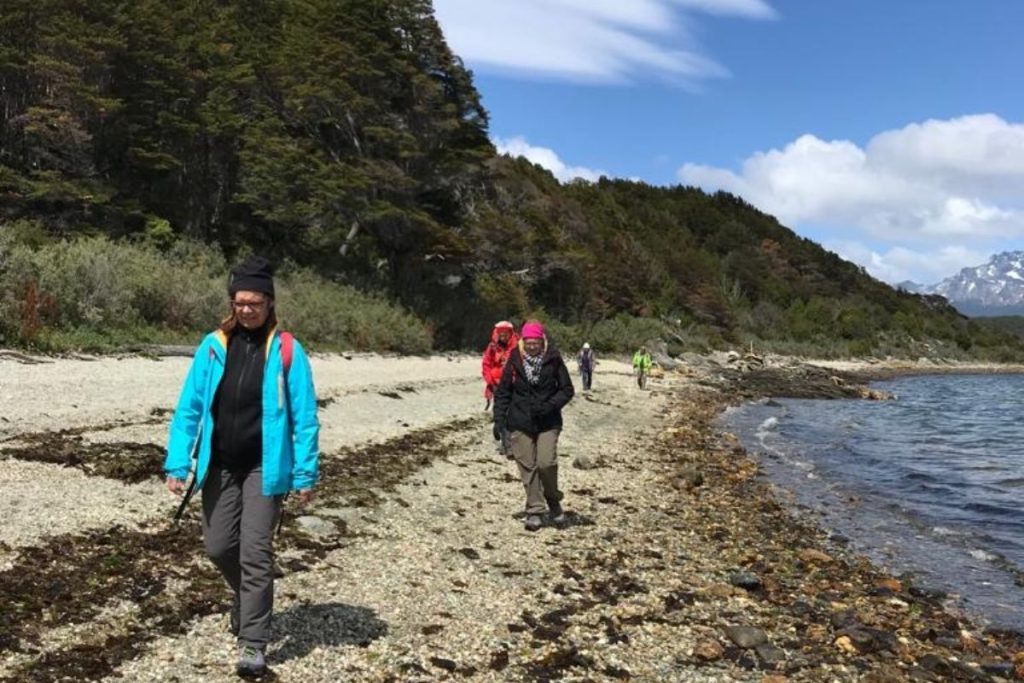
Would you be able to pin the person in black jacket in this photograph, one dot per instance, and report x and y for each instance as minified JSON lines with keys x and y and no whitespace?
{"x":534,"y":388}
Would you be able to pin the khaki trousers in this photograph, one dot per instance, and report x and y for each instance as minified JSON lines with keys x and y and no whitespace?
{"x":537,"y":457}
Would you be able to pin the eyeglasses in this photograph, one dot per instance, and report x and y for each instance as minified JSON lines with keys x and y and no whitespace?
{"x":251,"y":305}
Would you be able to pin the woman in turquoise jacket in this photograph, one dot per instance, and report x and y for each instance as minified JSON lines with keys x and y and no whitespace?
{"x":248,"y":409}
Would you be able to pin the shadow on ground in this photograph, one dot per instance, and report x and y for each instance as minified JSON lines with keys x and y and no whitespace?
{"x":302,"y":628}
{"x":572,"y":519}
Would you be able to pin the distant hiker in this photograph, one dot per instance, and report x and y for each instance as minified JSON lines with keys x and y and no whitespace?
{"x":503,"y":341}
{"x":585,"y":362}
{"x":528,"y":402}
{"x":642,"y":366}
{"x":249,"y":399}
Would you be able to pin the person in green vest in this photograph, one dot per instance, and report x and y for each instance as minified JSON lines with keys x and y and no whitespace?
{"x":641,"y":366}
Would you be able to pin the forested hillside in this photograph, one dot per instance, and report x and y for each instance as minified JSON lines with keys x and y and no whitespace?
{"x":344,"y":139}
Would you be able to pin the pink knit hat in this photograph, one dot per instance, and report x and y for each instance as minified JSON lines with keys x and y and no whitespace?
{"x":532,"y":330}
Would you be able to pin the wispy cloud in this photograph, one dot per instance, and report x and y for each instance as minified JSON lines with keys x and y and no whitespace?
{"x":589,"y":40}
{"x":546,"y":157}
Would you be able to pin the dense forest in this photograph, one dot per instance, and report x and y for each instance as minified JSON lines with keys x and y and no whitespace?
{"x":146,"y":144}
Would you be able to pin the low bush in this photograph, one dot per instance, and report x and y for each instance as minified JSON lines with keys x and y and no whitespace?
{"x":96,"y":294}
{"x":327,"y":315}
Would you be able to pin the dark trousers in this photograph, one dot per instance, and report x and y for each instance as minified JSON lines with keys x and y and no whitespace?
{"x":238,"y":530}
{"x":586,"y":376}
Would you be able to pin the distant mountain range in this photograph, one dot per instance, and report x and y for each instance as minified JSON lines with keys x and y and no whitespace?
{"x":991,"y":289}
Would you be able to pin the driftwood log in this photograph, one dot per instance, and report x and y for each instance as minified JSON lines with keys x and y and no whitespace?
{"x":21,"y":357}
{"x":163,"y":350}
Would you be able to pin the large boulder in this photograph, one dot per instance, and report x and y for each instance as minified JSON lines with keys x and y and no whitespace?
{"x":659,"y":354}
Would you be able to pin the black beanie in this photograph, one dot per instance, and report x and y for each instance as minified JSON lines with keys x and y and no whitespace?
{"x":254,"y":274}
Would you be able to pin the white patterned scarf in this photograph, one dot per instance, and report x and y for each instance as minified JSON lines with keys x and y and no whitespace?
{"x":531,"y":366}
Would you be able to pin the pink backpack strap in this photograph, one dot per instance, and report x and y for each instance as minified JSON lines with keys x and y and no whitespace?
{"x":287,"y":350}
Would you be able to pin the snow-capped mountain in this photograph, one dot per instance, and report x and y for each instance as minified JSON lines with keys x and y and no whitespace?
{"x":993,"y":288}
{"x":912,"y":287}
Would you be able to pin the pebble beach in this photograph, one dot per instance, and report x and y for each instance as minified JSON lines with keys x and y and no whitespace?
{"x":677,"y":561}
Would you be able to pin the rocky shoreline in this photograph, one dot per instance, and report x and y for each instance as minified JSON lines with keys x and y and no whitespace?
{"x":850,"y":620}
{"x":677,"y":563}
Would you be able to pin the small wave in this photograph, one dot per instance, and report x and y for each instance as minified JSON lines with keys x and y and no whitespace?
{"x":803,"y":465}
{"x":984,"y":555}
{"x":764,"y":431}
{"x":938,"y":494}
{"x":938,"y":477}
{"x":990,"y":509}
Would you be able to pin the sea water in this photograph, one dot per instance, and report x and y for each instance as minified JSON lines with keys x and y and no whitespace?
{"x":931,"y":484}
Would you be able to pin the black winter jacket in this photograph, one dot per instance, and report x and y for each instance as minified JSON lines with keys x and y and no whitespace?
{"x":520,"y":406}
{"x":238,"y":403}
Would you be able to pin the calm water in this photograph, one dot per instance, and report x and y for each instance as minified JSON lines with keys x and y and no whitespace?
{"x":932,"y":483}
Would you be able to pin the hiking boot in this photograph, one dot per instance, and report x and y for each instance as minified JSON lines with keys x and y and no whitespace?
{"x":555,"y":512}
{"x":532,"y":522}
{"x":251,"y":663}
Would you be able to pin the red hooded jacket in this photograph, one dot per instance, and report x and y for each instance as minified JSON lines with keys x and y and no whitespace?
{"x":495,"y":357}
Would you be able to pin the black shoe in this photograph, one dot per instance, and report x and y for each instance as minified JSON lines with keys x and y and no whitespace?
{"x":251,"y":663}
{"x":555,"y":512}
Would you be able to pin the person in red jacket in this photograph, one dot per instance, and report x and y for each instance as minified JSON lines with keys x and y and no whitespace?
{"x":503,"y":340}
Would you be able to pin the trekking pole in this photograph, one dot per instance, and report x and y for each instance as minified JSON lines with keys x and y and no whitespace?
{"x":185,"y":499}
{"x":280,"y":517}
{"x":190,"y":491}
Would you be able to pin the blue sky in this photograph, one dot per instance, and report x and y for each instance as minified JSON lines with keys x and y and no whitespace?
{"x":890,"y":132}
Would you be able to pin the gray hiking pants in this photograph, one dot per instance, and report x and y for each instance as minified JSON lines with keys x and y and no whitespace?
{"x":238,"y":530}
{"x":537,"y":457}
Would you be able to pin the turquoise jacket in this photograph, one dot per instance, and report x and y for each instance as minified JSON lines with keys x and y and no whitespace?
{"x":291,"y":451}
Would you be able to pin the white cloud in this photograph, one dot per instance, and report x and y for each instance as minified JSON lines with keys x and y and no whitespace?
{"x":926,"y":183}
{"x":588,"y":40}
{"x":543,"y":156}
{"x":981,"y":147}
{"x":898,"y":264}
{"x":752,"y":9}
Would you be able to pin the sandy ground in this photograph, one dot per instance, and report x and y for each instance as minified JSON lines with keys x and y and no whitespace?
{"x":119,"y":397}
{"x":73,"y":393}
{"x":436,"y":579}
{"x":406,"y":574}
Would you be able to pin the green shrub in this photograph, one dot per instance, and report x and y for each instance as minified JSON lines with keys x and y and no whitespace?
{"x":97,"y":294}
{"x":331,"y":316}
{"x":621,"y":334}
{"x":101,"y":285}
